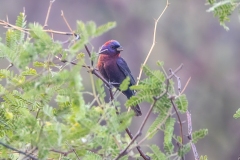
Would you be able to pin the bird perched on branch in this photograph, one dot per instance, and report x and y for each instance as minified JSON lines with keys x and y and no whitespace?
{"x":115,"y":69}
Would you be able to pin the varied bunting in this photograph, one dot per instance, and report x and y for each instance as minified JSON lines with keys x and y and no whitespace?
{"x":115,"y":69}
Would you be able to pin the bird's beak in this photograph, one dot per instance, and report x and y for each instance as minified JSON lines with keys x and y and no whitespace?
{"x":119,"y":49}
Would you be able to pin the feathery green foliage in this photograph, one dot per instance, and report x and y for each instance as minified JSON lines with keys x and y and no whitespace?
{"x":222,"y":10}
{"x":199,"y":135}
{"x":157,"y":153}
{"x":182,"y":103}
{"x":237,"y":114}
{"x":124,"y":85}
{"x":168,"y":134}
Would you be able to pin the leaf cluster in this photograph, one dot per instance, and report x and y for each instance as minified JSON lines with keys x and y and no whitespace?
{"x":222,"y":10}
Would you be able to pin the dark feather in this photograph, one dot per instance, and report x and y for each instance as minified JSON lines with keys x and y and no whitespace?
{"x":124,"y":68}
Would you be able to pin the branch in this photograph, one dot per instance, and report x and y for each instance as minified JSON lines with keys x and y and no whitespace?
{"x":194,"y":149}
{"x":18,"y":151}
{"x":48,"y":12}
{"x":180,"y":122}
{"x":62,"y":152}
{"x":154,"y":41}
{"x":8,"y":25}
{"x":9,"y":66}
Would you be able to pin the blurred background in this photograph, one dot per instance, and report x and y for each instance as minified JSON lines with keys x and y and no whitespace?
{"x":186,"y":34}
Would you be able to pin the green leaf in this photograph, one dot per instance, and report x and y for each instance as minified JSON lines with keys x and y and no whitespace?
{"x":168,"y":134}
{"x":160,"y":63}
{"x":203,"y":157}
{"x":29,"y":72}
{"x":81,"y":29}
{"x":237,"y":114}
{"x":91,"y":28}
{"x":38,"y":64}
{"x":125,"y":120}
{"x":182,"y":103}
{"x":157,"y":153}
{"x":222,"y":10}
{"x":154,"y":74}
{"x":78,"y":45}
{"x":20,"y":22}
{"x":104,"y":28}
{"x":10,"y":38}
{"x":184,"y":149}
{"x":100,"y":89}
{"x":197,"y":135}
{"x":125,"y":83}
{"x":158,"y":122}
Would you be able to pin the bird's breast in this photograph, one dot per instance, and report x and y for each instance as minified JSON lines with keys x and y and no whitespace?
{"x":109,"y":69}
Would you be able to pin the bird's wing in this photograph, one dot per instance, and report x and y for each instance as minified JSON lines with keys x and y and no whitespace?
{"x":124,"y":68}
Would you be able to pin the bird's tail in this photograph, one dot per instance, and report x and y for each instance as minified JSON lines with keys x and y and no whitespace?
{"x":137,"y":110}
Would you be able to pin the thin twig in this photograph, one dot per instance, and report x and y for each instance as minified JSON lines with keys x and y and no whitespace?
{"x":62,"y":152}
{"x":9,"y":66}
{"x":48,"y":12}
{"x":153,"y":43}
{"x":89,"y":54}
{"x":18,"y":151}
{"x":8,"y":25}
{"x":186,"y":85}
{"x":31,"y":152}
{"x":194,"y":149}
{"x":180,"y":122}
{"x":65,"y":20}
{"x":74,"y":151}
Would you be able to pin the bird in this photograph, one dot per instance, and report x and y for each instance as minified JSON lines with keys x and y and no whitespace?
{"x":114,"y":69}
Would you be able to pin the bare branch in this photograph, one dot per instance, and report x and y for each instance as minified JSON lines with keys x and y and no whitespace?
{"x":194,"y":149}
{"x":62,"y":152}
{"x":179,"y":120}
{"x":8,"y":25}
{"x":9,"y":66}
{"x":18,"y":151}
{"x":48,"y":12}
{"x":65,"y":20}
{"x":153,"y":43}
{"x":186,"y":85}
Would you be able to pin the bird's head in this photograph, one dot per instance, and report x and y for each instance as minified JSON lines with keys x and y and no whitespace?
{"x":111,"y":48}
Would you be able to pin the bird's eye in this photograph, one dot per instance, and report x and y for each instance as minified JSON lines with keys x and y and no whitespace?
{"x":112,"y":47}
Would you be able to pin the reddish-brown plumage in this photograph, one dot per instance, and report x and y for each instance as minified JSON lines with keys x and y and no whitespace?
{"x":114,"y":68}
